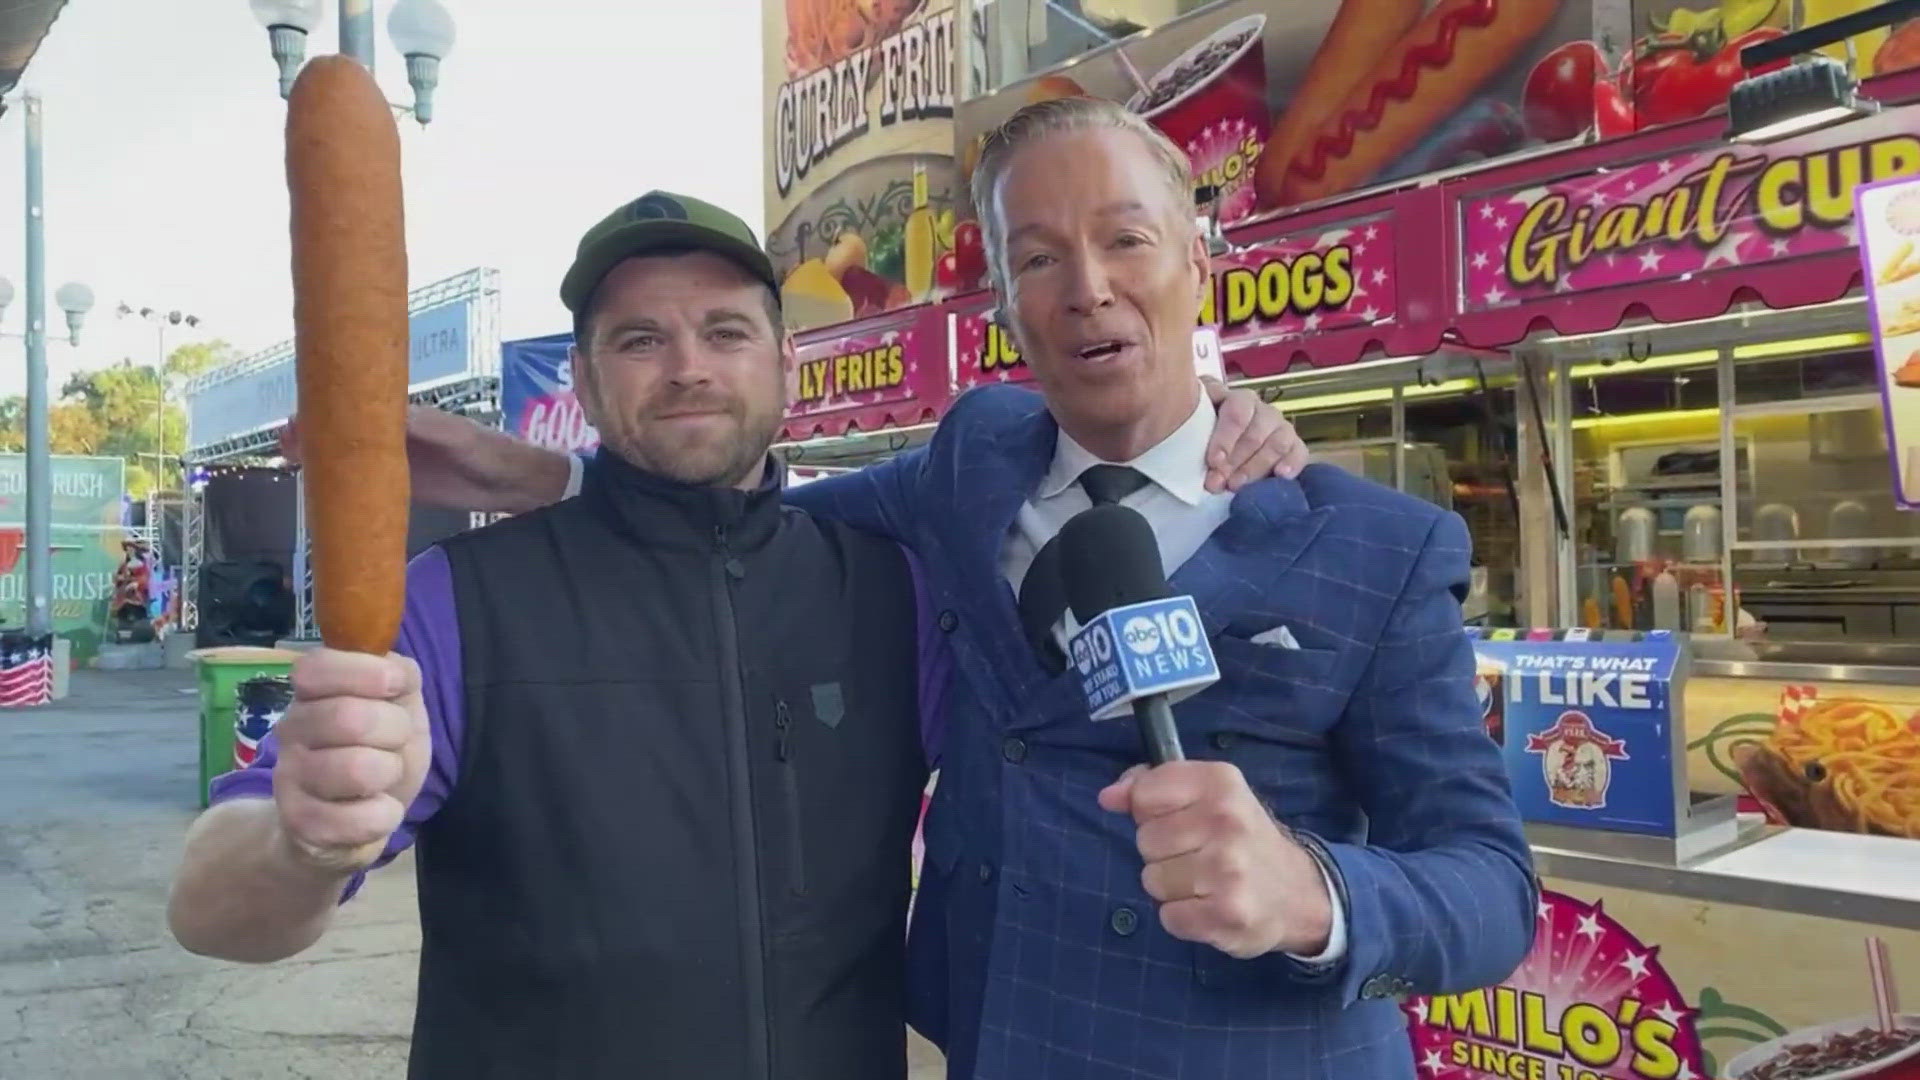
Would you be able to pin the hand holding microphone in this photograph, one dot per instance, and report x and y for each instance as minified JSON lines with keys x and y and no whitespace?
{"x":1223,"y":871}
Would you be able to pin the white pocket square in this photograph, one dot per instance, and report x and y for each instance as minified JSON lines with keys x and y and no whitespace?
{"x":1279,"y":637}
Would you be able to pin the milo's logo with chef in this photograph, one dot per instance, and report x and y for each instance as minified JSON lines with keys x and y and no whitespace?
{"x":1575,"y":758}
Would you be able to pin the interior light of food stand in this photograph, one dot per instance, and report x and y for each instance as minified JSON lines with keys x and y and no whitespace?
{"x":1581,"y":423}
{"x":1794,"y":100}
{"x":1320,"y":402}
{"x":1627,"y":366}
{"x":1829,"y":343}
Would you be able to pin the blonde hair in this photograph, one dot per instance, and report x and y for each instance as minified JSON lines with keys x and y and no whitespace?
{"x":1055,"y":116}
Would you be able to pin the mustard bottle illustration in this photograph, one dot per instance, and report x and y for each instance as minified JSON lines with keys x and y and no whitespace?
{"x":919,"y":238}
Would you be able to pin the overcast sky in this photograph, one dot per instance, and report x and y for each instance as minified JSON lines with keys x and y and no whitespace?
{"x":165,"y":182}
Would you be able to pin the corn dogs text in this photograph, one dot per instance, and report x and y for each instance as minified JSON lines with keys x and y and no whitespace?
{"x":350,"y":336}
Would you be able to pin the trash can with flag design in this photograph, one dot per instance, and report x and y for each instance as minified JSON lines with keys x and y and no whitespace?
{"x":26,"y":669}
{"x":222,"y":670}
{"x":259,"y":703}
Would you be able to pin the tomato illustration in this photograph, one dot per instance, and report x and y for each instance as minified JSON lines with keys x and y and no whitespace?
{"x":1681,"y":80}
{"x":970,"y":256}
{"x":1558,"y":99}
{"x":946,"y":272}
{"x":1613,"y":113}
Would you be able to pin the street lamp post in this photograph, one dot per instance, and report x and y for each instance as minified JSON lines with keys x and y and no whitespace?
{"x":161,"y":321}
{"x":421,"y":30}
{"x":75,"y":300}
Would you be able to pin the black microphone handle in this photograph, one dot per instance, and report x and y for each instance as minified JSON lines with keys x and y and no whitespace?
{"x":1158,"y":737}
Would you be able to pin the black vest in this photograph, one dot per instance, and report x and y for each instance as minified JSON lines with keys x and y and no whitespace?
{"x":678,"y":847}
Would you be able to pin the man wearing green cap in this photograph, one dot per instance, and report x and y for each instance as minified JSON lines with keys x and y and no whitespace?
{"x":657,"y":747}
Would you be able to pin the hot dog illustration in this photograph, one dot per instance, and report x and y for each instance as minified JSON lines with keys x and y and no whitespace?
{"x":350,"y":337}
{"x":1361,"y":31}
{"x":1426,"y":76}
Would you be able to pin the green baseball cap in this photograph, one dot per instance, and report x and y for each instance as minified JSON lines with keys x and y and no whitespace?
{"x":660,"y":220}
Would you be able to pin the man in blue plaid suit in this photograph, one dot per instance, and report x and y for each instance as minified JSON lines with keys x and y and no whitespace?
{"x":1342,"y":833}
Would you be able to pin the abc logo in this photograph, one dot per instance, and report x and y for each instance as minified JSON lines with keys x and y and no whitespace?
{"x":1141,"y":635}
{"x":1147,"y":634}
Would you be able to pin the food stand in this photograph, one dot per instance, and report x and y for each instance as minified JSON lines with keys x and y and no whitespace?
{"x":1636,"y":358}
{"x":1712,"y":428}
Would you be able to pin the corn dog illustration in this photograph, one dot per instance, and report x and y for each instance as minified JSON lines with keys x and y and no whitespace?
{"x":350,"y":336}
{"x":1424,"y":77}
{"x":1361,"y":31}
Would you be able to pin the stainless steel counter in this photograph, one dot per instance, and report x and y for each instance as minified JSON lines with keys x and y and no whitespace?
{"x":1891,"y":663}
{"x":1804,"y":871}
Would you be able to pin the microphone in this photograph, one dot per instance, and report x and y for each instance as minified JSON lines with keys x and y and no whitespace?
{"x":1139,"y":646}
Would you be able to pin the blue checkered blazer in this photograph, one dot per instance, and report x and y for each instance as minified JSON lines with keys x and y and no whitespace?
{"x":1036,"y":953}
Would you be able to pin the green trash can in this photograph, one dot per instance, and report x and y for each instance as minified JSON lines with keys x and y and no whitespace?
{"x":221,"y":671}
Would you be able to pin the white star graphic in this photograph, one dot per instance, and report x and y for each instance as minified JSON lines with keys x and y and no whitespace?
{"x":1311,"y":322}
{"x":1003,"y":375}
{"x":1670,"y":1014}
{"x":1545,"y":909}
{"x":1686,"y":1072}
{"x":1432,"y":1062}
{"x":1666,"y":167}
{"x":1359,"y":250}
{"x":1635,"y":964}
{"x":1480,"y":260}
{"x":1779,"y":247}
{"x":1650,"y":260}
{"x":1372,"y":233}
{"x":1379,"y":277}
{"x":1500,"y":223}
{"x":1486,"y":211}
{"x":1495,"y":295}
{"x":1368,"y":314}
{"x":1589,"y":926}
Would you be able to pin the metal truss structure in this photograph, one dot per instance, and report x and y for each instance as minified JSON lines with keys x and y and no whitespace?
{"x":475,"y":394}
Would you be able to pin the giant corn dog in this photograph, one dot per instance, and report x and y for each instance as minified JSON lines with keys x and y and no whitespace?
{"x":350,"y":337}
{"x":1361,"y":31}
{"x":1424,"y":78}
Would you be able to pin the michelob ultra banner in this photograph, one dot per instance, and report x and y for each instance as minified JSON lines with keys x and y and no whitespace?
{"x":861,"y":196}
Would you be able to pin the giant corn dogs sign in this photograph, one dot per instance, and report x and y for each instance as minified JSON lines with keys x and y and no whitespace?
{"x":1672,"y":217}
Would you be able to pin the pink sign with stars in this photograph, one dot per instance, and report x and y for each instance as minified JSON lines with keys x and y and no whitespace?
{"x":1590,"y":1002}
{"x":893,"y":372}
{"x":1728,"y":206}
{"x":1307,"y":282}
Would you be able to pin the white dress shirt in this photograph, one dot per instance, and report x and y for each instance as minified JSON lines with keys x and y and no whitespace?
{"x":1175,"y":502}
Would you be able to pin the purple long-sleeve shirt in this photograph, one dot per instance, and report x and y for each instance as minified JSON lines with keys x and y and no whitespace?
{"x":430,"y":634}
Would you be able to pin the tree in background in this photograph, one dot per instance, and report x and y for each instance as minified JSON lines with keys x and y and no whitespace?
{"x":120,"y":411}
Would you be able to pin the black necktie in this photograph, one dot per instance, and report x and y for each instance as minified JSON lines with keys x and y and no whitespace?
{"x":1043,"y":592}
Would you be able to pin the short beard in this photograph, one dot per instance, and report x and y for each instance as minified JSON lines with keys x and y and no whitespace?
{"x":730,"y":465}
